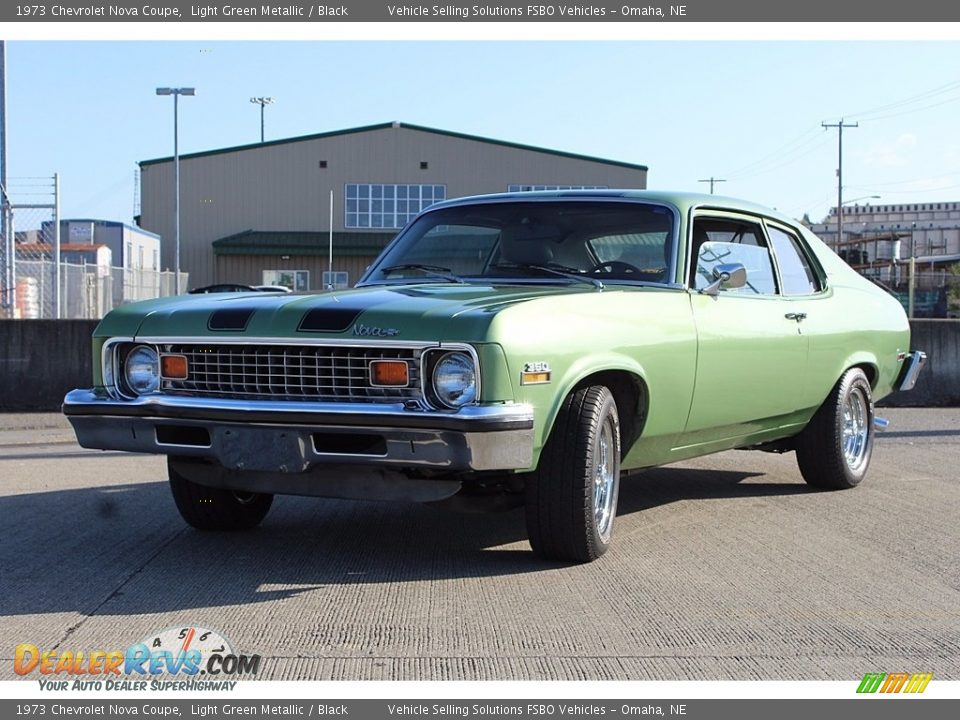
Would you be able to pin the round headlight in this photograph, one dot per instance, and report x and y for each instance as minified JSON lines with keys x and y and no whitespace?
{"x":142,"y":370}
{"x":455,"y":380}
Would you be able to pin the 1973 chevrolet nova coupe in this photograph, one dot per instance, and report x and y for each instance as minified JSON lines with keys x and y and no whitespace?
{"x":526,"y":347}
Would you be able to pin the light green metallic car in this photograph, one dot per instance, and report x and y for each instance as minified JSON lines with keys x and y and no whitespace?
{"x":511,"y":349}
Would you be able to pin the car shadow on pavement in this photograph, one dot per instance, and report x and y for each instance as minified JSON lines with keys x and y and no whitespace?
{"x":123,"y":549}
{"x":665,"y":485}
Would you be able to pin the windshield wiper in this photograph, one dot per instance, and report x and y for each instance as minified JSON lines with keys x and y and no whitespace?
{"x":560,"y":271}
{"x":432,"y":270}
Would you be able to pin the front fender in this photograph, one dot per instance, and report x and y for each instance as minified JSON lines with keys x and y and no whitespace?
{"x":578,"y":372}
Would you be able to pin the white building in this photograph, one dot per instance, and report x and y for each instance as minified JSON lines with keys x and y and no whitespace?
{"x":878,"y":234}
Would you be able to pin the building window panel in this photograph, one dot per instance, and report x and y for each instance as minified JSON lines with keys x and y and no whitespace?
{"x":387,"y":206}
{"x":336,"y":280}
{"x":536,"y":188}
{"x":295,"y":280}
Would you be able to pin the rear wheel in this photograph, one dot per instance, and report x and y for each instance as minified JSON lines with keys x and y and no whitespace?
{"x":571,"y":499}
{"x":207,"y":508}
{"x":834,"y":450}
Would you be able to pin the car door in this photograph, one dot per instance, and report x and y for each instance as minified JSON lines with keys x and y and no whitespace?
{"x":803,"y":288}
{"x":751,"y":357}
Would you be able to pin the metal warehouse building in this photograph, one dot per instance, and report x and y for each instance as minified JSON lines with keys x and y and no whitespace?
{"x":260,"y":214}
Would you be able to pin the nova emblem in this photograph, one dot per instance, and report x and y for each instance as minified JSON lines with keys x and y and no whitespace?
{"x":370,"y":331}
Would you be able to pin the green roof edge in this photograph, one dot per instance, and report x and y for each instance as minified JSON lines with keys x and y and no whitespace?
{"x":408,"y":126}
{"x":278,"y":242}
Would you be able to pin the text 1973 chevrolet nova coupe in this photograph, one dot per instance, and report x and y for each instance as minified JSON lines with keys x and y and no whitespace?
{"x":526,"y":347}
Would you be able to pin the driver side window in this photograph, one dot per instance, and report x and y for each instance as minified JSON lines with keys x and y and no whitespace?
{"x":718,"y":241}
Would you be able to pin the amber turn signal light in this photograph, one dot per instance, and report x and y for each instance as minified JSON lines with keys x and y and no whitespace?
{"x":534,"y":378}
{"x":389,"y":373}
{"x":173,"y":367}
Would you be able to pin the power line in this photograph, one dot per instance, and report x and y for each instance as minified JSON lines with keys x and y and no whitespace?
{"x":801,"y":140}
{"x":939,"y":90}
{"x":908,"y":112}
{"x":907,"y":182}
{"x":804,"y":140}
{"x":797,"y":153}
{"x":922,"y":190}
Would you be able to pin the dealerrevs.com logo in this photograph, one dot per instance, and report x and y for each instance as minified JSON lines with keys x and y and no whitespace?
{"x":197,"y":657}
{"x":910,"y":683}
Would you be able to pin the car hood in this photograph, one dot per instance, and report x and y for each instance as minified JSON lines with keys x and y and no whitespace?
{"x":420,"y":312}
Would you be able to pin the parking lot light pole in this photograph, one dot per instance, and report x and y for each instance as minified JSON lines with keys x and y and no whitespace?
{"x":176,"y":92}
{"x":262,"y":102}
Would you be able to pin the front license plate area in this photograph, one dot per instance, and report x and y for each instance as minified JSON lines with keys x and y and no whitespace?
{"x":264,"y":449}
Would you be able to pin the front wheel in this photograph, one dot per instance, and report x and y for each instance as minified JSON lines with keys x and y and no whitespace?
{"x":571,"y":499}
{"x":207,"y":508}
{"x":834,"y":450}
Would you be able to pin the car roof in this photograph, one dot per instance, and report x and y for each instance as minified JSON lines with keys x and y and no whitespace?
{"x":683,"y":201}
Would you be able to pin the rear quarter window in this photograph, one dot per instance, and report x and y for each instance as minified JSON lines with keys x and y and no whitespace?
{"x":796,"y":273}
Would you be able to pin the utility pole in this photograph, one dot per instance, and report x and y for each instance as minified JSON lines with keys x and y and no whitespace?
{"x":712,"y":180}
{"x":839,"y":126}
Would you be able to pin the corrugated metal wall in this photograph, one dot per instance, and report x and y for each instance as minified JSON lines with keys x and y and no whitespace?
{"x":248,"y":269}
{"x":283,"y":186}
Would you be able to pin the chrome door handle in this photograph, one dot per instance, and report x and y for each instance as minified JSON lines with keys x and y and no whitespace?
{"x":796,"y":316}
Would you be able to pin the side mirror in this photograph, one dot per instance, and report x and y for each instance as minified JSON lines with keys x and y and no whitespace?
{"x":727,"y":276}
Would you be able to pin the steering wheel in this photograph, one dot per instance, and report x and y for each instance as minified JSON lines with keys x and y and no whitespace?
{"x":616,"y":266}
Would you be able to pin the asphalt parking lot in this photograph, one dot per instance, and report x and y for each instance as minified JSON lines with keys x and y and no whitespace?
{"x":728,"y":567}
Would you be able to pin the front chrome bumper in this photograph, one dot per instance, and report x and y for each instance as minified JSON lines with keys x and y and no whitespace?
{"x":292,"y":437}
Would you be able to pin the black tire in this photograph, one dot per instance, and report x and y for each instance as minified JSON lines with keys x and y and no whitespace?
{"x":834,"y":450}
{"x":564,"y":519}
{"x":207,"y":508}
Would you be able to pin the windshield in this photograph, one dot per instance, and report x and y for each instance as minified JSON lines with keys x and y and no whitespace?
{"x":558,"y":242}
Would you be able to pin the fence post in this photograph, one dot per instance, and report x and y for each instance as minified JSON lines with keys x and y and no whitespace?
{"x":11,"y":260}
{"x":56,"y":245}
{"x":911,"y":286}
{"x":8,"y":297}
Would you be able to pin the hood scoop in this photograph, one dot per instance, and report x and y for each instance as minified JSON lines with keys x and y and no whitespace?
{"x":329,"y":319}
{"x":230,"y":319}
{"x":337,"y":316}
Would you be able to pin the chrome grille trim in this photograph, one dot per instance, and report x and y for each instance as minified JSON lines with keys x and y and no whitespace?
{"x":298,"y":372}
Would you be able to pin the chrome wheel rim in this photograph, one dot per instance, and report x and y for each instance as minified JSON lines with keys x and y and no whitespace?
{"x":856,"y":429}
{"x":244,"y":498}
{"x":606,"y":470}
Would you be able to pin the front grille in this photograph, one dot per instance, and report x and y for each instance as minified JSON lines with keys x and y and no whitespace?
{"x":321,"y":373}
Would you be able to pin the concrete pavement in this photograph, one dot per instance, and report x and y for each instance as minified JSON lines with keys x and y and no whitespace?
{"x":727,"y":567}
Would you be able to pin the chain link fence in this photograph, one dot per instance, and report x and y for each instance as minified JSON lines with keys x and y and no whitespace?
{"x":87,"y":291}
{"x":923,"y":292}
{"x":86,"y":283}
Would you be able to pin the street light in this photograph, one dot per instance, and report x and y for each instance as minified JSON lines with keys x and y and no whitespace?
{"x":176,"y":92}
{"x":262,"y":102}
{"x":864,"y":197}
{"x":840,"y":215}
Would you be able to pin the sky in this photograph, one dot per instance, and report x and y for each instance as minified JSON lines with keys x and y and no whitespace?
{"x":747,"y":112}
